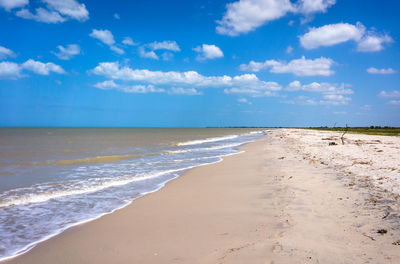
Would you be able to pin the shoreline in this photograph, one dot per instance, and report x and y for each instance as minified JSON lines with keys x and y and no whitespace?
{"x":31,"y":246}
{"x":191,"y":220}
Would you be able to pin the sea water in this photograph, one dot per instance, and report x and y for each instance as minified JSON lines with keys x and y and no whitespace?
{"x":55,"y":178}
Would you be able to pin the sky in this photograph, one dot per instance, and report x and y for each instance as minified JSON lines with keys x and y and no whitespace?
{"x":199,"y":63}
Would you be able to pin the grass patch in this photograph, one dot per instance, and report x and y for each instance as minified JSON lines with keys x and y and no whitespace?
{"x":383,"y":131}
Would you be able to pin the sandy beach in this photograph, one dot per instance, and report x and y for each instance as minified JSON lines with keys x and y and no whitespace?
{"x":289,"y":197}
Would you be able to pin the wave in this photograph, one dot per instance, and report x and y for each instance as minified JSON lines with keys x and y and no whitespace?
{"x":204,"y":149}
{"x":45,"y":196}
{"x":206,"y":140}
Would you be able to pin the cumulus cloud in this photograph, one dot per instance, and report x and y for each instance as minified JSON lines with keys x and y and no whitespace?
{"x":106,"y":85}
{"x":334,"y":34}
{"x":12,"y":70}
{"x":11,"y":4}
{"x":314,"y":6}
{"x":147,"y":54}
{"x":330,"y":35}
{"x":66,"y":53}
{"x":241,"y":84}
{"x":164,"y":45}
{"x":373,"y":42}
{"x":69,"y":8}
{"x":111,"y":85}
{"x":332,"y":94}
{"x":373,"y":70}
{"x":300,"y":67}
{"x":246,"y":15}
{"x":389,"y":94}
{"x":9,"y":70}
{"x":56,"y":11}
{"x":42,"y":15}
{"x":105,"y":36}
{"x":207,"y":52}
{"x":289,"y":49}
{"x":128,"y":41}
{"x":4,"y":53}
{"x":148,"y":50}
{"x":42,"y":68}
{"x":184,"y":91}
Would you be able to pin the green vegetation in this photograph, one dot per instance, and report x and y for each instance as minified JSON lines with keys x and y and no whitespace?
{"x":372,"y":130}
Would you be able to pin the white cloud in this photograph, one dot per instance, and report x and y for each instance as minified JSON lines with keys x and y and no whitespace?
{"x":128,"y":41}
{"x":42,"y":15}
{"x":106,"y":85}
{"x":373,"y":42}
{"x":332,"y":94}
{"x":313,"y":6}
{"x":244,"y":101}
{"x":117,"y":50}
{"x":340,"y":113}
{"x":69,"y":8}
{"x":300,"y":67}
{"x":206,"y":52}
{"x":111,"y":85}
{"x":148,"y":50}
{"x":394,"y":102}
{"x":104,"y":35}
{"x":301,"y":100}
{"x":335,"y":99}
{"x":325,"y":88}
{"x":11,"y":4}
{"x":10,"y":70}
{"x":141,"y":89}
{"x":66,"y":53}
{"x":164,"y":45}
{"x":241,"y":84}
{"x":167,"y":56}
{"x":289,"y":49}
{"x":184,"y":91}
{"x":42,"y":68}
{"x":147,"y":54}
{"x":57,"y":11}
{"x":4,"y":53}
{"x":116,"y":16}
{"x":374,"y":70}
{"x":246,"y":15}
{"x":389,"y":94}
{"x":334,"y":34}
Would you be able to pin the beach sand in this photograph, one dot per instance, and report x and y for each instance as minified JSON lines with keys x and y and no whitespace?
{"x":289,"y":198}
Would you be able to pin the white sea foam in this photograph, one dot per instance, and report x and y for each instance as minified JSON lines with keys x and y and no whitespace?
{"x":204,"y":149}
{"x":45,"y":196}
{"x":206,"y":140}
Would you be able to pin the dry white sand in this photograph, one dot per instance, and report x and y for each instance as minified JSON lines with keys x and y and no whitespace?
{"x":289,"y":198}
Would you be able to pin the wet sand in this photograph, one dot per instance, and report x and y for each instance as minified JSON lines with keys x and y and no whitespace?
{"x":273,"y":203}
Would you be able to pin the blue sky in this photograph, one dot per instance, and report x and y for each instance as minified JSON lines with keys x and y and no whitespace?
{"x":199,"y":63}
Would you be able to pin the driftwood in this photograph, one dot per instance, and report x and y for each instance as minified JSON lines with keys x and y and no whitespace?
{"x":344,"y":133}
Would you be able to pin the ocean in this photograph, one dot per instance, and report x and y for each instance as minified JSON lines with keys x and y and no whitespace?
{"x":55,"y":178}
